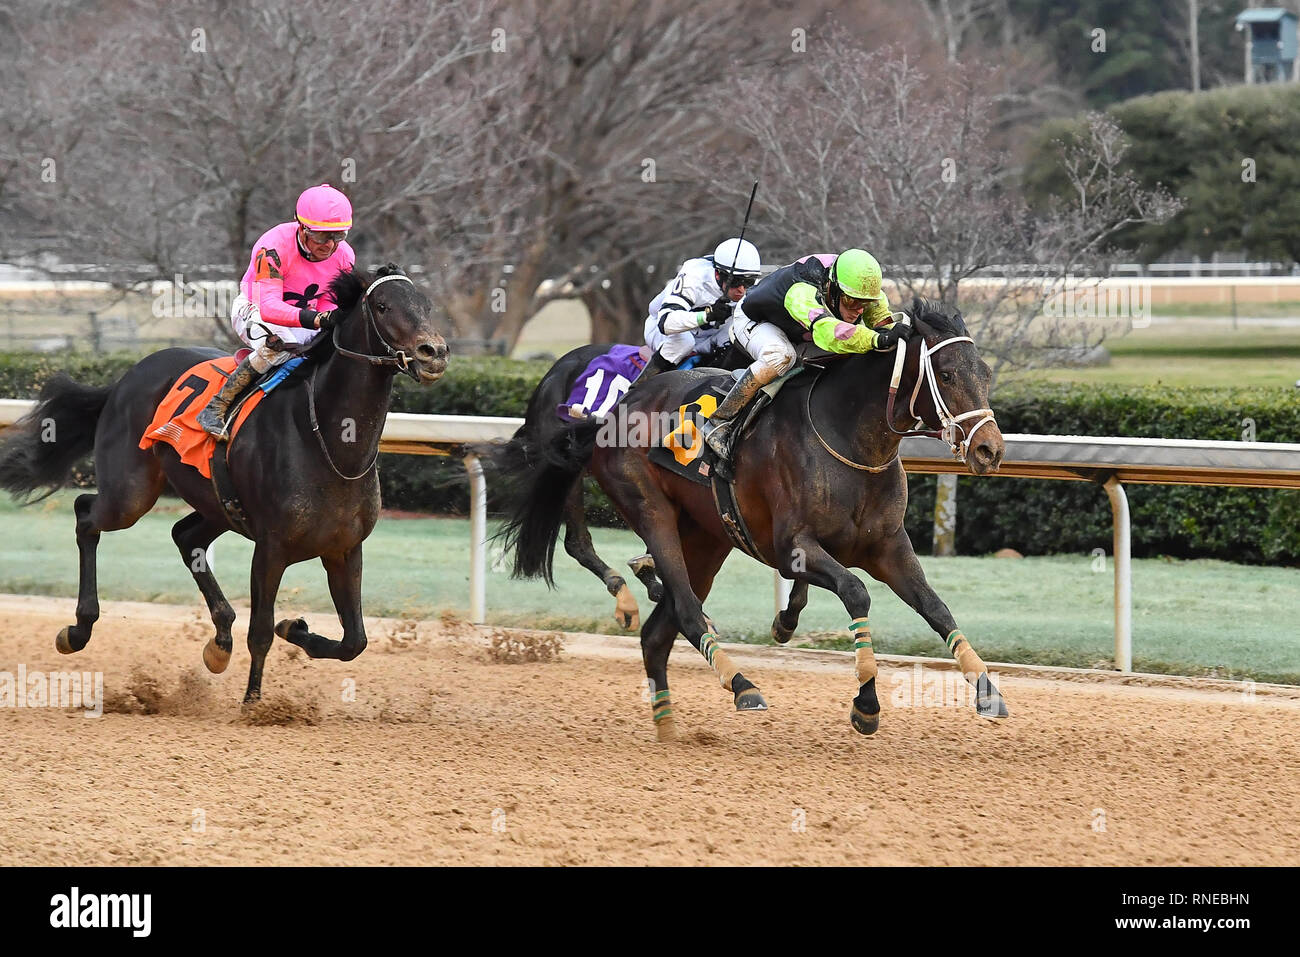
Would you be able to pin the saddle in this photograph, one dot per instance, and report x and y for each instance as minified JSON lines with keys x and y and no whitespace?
{"x":684,"y":452}
{"x":175,"y":423}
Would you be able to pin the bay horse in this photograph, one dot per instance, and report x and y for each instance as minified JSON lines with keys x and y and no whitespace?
{"x":819,"y":484}
{"x":303,"y":465}
{"x":541,"y":428}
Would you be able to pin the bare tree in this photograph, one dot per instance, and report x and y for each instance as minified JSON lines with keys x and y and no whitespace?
{"x":904,"y":164}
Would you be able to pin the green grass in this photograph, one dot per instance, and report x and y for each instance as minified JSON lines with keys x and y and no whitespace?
{"x":1191,"y":352}
{"x":1189,"y":617}
{"x":1283,"y":309}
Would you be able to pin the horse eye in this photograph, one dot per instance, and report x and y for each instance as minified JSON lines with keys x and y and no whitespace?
{"x":945,"y":377}
{"x":380,"y":307}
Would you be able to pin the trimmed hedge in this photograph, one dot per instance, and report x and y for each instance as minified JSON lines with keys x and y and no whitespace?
{"x":1032,"y":516}
{"x":1043,"y":517}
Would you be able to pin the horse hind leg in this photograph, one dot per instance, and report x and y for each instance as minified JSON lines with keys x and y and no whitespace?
{"x":192,"y":535}
{"x":657,"y":635}
{"x":643,"y":567}
{"x":577,"y":542}
{"x":120,"y":502}
{"x":822,"y":570}
{"x":703,"y":555}
{"x":787,"y":620}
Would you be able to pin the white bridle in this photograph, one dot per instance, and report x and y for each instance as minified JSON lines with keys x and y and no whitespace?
{"x":925,"y":373}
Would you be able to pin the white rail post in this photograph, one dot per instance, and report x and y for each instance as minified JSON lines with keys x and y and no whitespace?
{"x":1123,"y":575}
{"x":477,"y":540}
{"x":781,"y":588}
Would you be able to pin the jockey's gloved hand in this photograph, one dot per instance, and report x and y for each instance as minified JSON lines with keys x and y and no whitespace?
{"x":888,"y":338}
{"x":325,"y":320}
{"x":720,"y":311}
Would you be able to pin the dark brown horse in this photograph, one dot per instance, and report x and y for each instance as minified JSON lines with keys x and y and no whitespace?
{"x":541,"y":428}
{"x":820,"y":487}
{"x":303,"y":465}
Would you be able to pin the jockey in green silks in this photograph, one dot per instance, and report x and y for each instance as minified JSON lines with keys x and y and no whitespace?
{"x":834,"y":301}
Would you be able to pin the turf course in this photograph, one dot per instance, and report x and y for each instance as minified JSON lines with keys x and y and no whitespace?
{"x":1189,"y":617}
{"x":1192,"y":352}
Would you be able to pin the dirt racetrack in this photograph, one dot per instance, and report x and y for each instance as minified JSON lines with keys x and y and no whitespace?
{"x":445,"y":757}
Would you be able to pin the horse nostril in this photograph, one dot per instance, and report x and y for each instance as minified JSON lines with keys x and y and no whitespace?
{"x":429,"y":352}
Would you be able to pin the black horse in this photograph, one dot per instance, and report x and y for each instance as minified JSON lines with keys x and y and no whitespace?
{"x":820,"y":487}
{"x":528,"y":447}
{"x":304,"y":465}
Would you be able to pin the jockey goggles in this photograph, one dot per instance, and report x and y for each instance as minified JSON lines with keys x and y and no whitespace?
{"x":853,"y":301}
{"x":316,"y":236}
{"x":741,"y":279}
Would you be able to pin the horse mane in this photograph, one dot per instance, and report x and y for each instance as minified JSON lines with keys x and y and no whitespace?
{"x":347,"y":288}
{"x":941,"y":316}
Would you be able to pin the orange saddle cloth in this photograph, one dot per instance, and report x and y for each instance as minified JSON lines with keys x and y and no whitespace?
{"x":174,"y":421}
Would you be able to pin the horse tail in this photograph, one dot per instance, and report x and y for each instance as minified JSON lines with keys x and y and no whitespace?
{"x":43,"y":446}
{"x":540,"y":473}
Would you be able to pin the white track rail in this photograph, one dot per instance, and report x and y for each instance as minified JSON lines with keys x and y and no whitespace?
{"x":1107,"y":461}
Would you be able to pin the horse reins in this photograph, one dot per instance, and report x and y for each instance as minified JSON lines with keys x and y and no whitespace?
{"x":950,"y":423}
{"x":395,"y":358}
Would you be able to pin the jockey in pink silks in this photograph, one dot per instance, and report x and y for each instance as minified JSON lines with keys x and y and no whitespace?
{"x":284,"y":296}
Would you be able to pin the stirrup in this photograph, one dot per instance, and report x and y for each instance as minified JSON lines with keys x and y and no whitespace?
{"x":726,"y":439}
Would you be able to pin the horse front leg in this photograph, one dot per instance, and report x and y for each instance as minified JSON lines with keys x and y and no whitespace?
{"x":344,"y":574}
{"x":807,"y":562}
{"x":895,"y":563}
{"x":268,"y":570}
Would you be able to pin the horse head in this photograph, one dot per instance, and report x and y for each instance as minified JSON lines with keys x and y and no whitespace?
{"x":951,"y":394}
{"x":389,"y":321}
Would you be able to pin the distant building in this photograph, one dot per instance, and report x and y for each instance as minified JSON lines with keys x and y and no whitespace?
{"x":1270,"y":45}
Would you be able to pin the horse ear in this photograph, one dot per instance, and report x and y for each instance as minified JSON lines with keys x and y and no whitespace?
{"x":916,"y":306}
{"x":390,"y":269}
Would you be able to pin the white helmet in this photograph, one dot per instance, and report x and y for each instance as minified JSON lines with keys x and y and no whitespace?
{"x":739,"y":256}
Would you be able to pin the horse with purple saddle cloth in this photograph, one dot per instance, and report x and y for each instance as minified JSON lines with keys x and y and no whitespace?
{"x":604,"y":381}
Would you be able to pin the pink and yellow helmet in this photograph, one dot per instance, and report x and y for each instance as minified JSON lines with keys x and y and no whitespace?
{"x":324,"y":209}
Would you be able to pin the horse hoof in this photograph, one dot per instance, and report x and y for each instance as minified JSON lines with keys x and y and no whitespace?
{"x":751,"y":699}
{"x":283,"y":628}
{"x":779,"y":634}
{"x":626,"y":613}
{"x":988,"y":700}
{"x":863,"y":723}
{"x":63,"y":643}
{"x":655,"y":592}
{"x":642,"y":563}
{"x":666,"y":730}
{"x":215,"y":658}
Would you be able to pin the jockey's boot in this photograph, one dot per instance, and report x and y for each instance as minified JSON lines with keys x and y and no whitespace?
{"x":720,"y":437}
{"x":213,"y":416}
{"x":656,"y":365}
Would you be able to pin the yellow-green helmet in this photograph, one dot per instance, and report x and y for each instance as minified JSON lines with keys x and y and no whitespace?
{"x":857,"y":274}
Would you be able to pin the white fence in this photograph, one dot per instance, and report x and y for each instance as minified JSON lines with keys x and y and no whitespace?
{"x":1109,"y":462}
